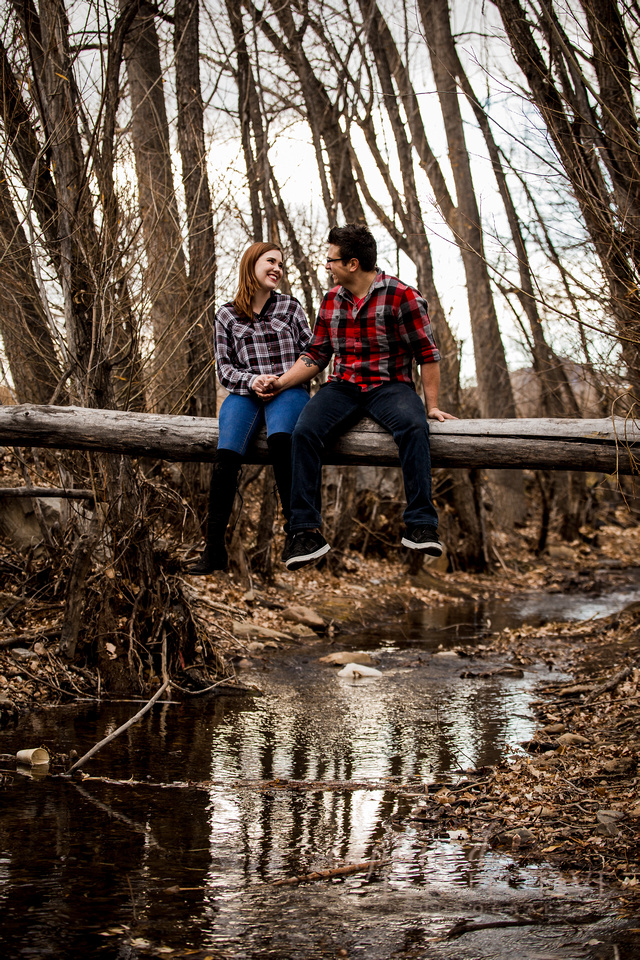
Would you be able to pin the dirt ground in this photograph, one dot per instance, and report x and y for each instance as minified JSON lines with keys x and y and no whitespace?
{"x":571,"y":796}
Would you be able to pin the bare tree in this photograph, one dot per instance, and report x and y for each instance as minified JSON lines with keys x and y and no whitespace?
{"x":593,"y":128}
{"x":165,"y":276}
{"x":29,"y":346}
{"x":199,"y":307}
{"x":76,"y":224}
{"x":323,"y":113}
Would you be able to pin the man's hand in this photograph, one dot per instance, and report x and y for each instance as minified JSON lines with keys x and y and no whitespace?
{"x":265,"y":386}
{"x":435,"y":414}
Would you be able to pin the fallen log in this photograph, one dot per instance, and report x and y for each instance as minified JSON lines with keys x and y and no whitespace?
{"x":604,"y":446}
{"x":46,"y":492}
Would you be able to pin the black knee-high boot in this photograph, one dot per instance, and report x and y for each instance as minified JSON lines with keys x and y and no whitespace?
{"x":279,"y":445}
{"x":222,"y":492}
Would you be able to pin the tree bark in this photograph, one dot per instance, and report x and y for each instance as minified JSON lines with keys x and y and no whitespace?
{"x":250,"y":118}
{"x":494,"y":388}
{"x":35,"y":369}
{"x":165,"y":277}
{"x":573,"y":135}
{"x":262,"y":555}
{"x":592,"y":445}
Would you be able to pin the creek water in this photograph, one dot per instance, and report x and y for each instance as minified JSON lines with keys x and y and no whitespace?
{"x":172,"y":846}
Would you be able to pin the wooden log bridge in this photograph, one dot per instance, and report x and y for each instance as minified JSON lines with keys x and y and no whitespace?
{"x":603,"y":446}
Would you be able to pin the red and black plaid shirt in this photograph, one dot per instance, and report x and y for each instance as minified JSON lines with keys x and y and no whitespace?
{"x":376,"y":341}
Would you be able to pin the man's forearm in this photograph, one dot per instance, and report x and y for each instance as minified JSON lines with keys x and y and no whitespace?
{"x":304,"y":369}
{"x":430,"y":375}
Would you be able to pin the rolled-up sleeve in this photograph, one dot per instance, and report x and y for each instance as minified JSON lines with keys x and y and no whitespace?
{"x":414,"y":327}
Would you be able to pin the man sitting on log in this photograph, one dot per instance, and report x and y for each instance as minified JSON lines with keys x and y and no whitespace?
{"x":375,"y":326}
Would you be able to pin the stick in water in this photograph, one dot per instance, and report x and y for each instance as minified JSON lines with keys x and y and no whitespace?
{"x":125,"y":726}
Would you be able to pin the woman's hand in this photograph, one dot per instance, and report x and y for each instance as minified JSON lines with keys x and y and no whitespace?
{"x":265,"y":386}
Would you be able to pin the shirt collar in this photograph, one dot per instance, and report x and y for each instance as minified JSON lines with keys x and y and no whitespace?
{"x":347,"y":295}
{"x":268,"y":304}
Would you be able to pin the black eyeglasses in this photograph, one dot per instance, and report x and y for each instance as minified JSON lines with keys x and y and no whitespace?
{"x":335,"y":260}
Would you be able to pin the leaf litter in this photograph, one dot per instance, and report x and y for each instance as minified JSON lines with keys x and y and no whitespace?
{"x":568,"y":796}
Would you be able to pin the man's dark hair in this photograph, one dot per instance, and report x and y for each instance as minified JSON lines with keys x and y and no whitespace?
{"x":356,"y":242}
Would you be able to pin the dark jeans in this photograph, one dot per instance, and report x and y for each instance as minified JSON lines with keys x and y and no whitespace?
{"x":335,"y":408}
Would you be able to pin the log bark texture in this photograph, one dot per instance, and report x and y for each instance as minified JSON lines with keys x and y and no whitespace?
{"x":604,"y":446}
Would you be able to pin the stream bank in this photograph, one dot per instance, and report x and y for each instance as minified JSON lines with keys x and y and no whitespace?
{"x":173,"y":839}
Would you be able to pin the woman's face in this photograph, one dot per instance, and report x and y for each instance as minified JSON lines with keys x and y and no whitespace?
{"x":268,"y":270}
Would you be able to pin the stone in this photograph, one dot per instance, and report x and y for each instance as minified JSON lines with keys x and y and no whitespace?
{"x":347,"y":656}
{"x":519,"y":837}
{"x":304,"y":615}
{"x":247,"y":629}
{"x":572,"y":740}
{"x":355,"y":670}
{"x":21,"y":653}
{"x":561,"y":552}
{"x":303,"y":632}
{"x":554,"y":728}
{"x":618,"y":766}
{"x":605,"y":816}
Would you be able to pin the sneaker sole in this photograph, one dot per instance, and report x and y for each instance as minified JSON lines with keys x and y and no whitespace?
{"x":433,"y":549}
{"x":295,"y":562}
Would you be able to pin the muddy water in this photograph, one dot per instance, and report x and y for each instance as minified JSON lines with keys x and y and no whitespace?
{"x":172,"y":846}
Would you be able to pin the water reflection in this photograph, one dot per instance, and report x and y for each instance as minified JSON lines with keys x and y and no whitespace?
{"x":216,"y":798}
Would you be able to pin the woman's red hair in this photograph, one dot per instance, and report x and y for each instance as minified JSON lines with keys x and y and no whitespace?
{"x":247,"y":283}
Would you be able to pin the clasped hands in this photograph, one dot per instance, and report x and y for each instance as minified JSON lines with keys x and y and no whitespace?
{"x":266,"y":386}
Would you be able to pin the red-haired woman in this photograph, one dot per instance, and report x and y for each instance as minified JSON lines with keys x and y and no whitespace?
{"x":259,"y":335}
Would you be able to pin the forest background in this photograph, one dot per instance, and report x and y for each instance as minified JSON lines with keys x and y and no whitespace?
{"x":492,"y":147}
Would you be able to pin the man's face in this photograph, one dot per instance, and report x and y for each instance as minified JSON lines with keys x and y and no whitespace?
{"x":335,"y":266}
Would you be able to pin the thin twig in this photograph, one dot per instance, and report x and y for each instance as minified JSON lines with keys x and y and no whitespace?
{"x":612,"y":682}
{"x":116,"y":733}
{"x":328,"y":874}
{"x":196,"y":693}
{"x":469,"y":926}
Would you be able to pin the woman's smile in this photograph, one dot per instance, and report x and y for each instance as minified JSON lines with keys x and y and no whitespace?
{"x":268,"y":270}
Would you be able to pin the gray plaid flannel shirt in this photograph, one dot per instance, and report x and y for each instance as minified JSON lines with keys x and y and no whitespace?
{"x":270,"y":343}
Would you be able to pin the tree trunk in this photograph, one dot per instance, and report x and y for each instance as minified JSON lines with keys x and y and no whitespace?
{"x":27,"y":339}
{"x":322,"y":114}
{"x":343,"y":515}
{"x":165,"y":278}
{"x":199,"y":312}
{"x":144,"y":605}
{"x":494,"y":388}
{"x":249,"y":116}
{"x":199,"y":309}
{"x":262,"y":555}
{"x":606,"y":446}
{"x":573,"y":136}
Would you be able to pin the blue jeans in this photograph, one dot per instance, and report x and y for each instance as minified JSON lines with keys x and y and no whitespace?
{"x":241,"y":417}
{"x":335,"y":408}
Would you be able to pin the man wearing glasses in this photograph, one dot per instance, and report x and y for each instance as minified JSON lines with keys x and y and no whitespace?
{"x":375,"y":326}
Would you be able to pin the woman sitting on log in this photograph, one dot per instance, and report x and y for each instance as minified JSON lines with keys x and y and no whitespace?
{"x":259,"y":335}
